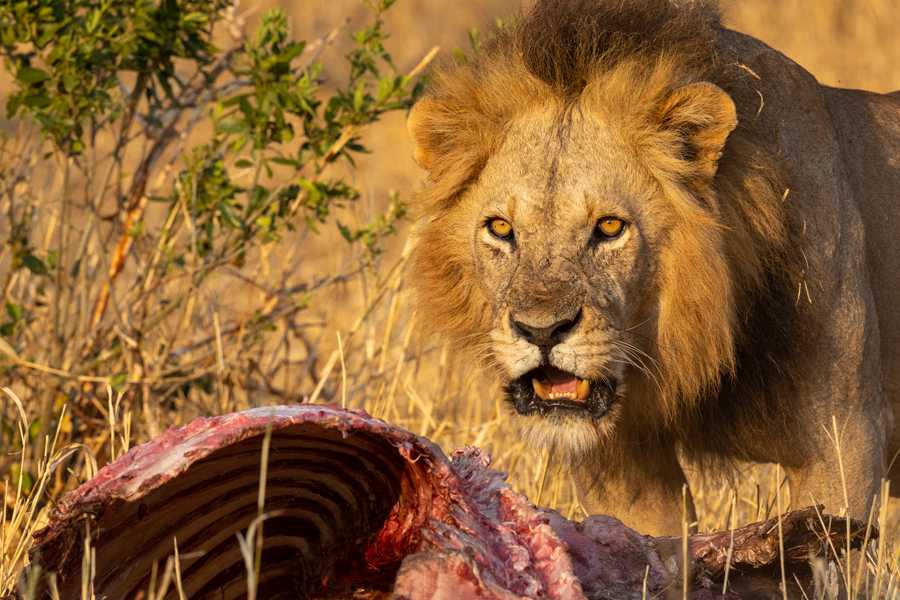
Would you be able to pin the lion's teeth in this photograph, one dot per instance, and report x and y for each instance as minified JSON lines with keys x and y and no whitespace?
{"x":583,"y":388}
{"x":541,"y":390}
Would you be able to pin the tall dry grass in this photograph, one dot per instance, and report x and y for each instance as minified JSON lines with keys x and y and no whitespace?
{"x":355,"y":346}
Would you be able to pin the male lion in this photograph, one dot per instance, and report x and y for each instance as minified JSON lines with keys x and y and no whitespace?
{"x":672,"y":245}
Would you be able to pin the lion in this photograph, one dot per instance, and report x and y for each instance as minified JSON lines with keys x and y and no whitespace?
{"x":672,"y":247}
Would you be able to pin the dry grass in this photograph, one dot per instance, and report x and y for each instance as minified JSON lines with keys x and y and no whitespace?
{"x":356,"y":345}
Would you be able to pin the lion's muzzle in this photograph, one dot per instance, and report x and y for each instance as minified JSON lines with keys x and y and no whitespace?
{"x":548,"y":389}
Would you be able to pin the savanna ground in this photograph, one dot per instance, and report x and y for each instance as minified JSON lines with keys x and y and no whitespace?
{"x":299,"y":315}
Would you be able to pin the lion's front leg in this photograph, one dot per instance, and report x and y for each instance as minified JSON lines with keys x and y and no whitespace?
{"x":850,"y":479}
{"x":643,"y":488}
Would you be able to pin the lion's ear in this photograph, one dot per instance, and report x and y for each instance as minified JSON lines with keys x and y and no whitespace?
{"x":703,"y":115}
{"x":424,"y":128}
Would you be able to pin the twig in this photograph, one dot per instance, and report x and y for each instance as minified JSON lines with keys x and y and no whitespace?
{"x":138,"y":200}
{"x":318,"y":46}
{"x":10,"y":353}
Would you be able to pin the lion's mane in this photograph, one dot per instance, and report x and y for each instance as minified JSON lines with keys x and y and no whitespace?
{"x":730,"y":253}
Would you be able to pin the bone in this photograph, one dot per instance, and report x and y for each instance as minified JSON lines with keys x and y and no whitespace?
{"x":356,"y":508}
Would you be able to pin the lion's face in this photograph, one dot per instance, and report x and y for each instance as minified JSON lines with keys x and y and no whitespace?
{"x":564,"y":247}
{"x":577,"y":249}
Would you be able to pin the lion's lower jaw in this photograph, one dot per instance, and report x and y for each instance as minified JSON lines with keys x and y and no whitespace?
{"x":560,"y":394}
{"x":572,"y":434}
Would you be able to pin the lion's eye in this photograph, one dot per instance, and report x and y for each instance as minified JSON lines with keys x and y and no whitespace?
{"x":611,"y":226}
{"x":500,"y":228}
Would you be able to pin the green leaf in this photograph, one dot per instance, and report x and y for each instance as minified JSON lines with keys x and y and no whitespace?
{"x":358,"y":97}
{"x":37,"y":101}
{"x":229,"y":217}
{"x":385,"y":87}
{"x":288,"y":162}
{"x":93,"y":20}
{"x":17,"y":474}
{"x":117,"y":381}
{"x":294,"y":50}
{"x":309,"y":186}
{"x":31,"y":75}
{"x":232,"y":126}
{"x":243,"y":164}
{"x":345,"y":231}
{"x":14,"y":311}
{"x":232,"y":101}
{"x":195,"y":17}
{"x":34,"y":264}
{"x":7,"y":36}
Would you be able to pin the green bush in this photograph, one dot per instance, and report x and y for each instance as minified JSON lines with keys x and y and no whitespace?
{"x":117,"y":225}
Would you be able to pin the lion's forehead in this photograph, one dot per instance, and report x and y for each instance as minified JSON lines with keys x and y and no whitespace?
{"x":556,"y":167}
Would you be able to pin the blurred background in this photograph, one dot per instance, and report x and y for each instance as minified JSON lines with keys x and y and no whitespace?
{"x":308,"y":314}
{"x":844,"y":43}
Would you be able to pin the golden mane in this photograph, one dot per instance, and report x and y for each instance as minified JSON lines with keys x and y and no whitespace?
{"x":729,"y":250}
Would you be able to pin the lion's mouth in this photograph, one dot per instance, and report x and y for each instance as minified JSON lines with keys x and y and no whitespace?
{"x":547,"y":389}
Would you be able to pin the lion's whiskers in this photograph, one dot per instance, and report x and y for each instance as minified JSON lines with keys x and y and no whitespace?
{"x":626,"y":345}
{"x":633,"y":327}
{"x":461,"y":342}
{"x":487,"y":366}
{"x":632,"y":356}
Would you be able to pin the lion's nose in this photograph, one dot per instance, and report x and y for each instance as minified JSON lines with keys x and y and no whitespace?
{"x":545,"y":337}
